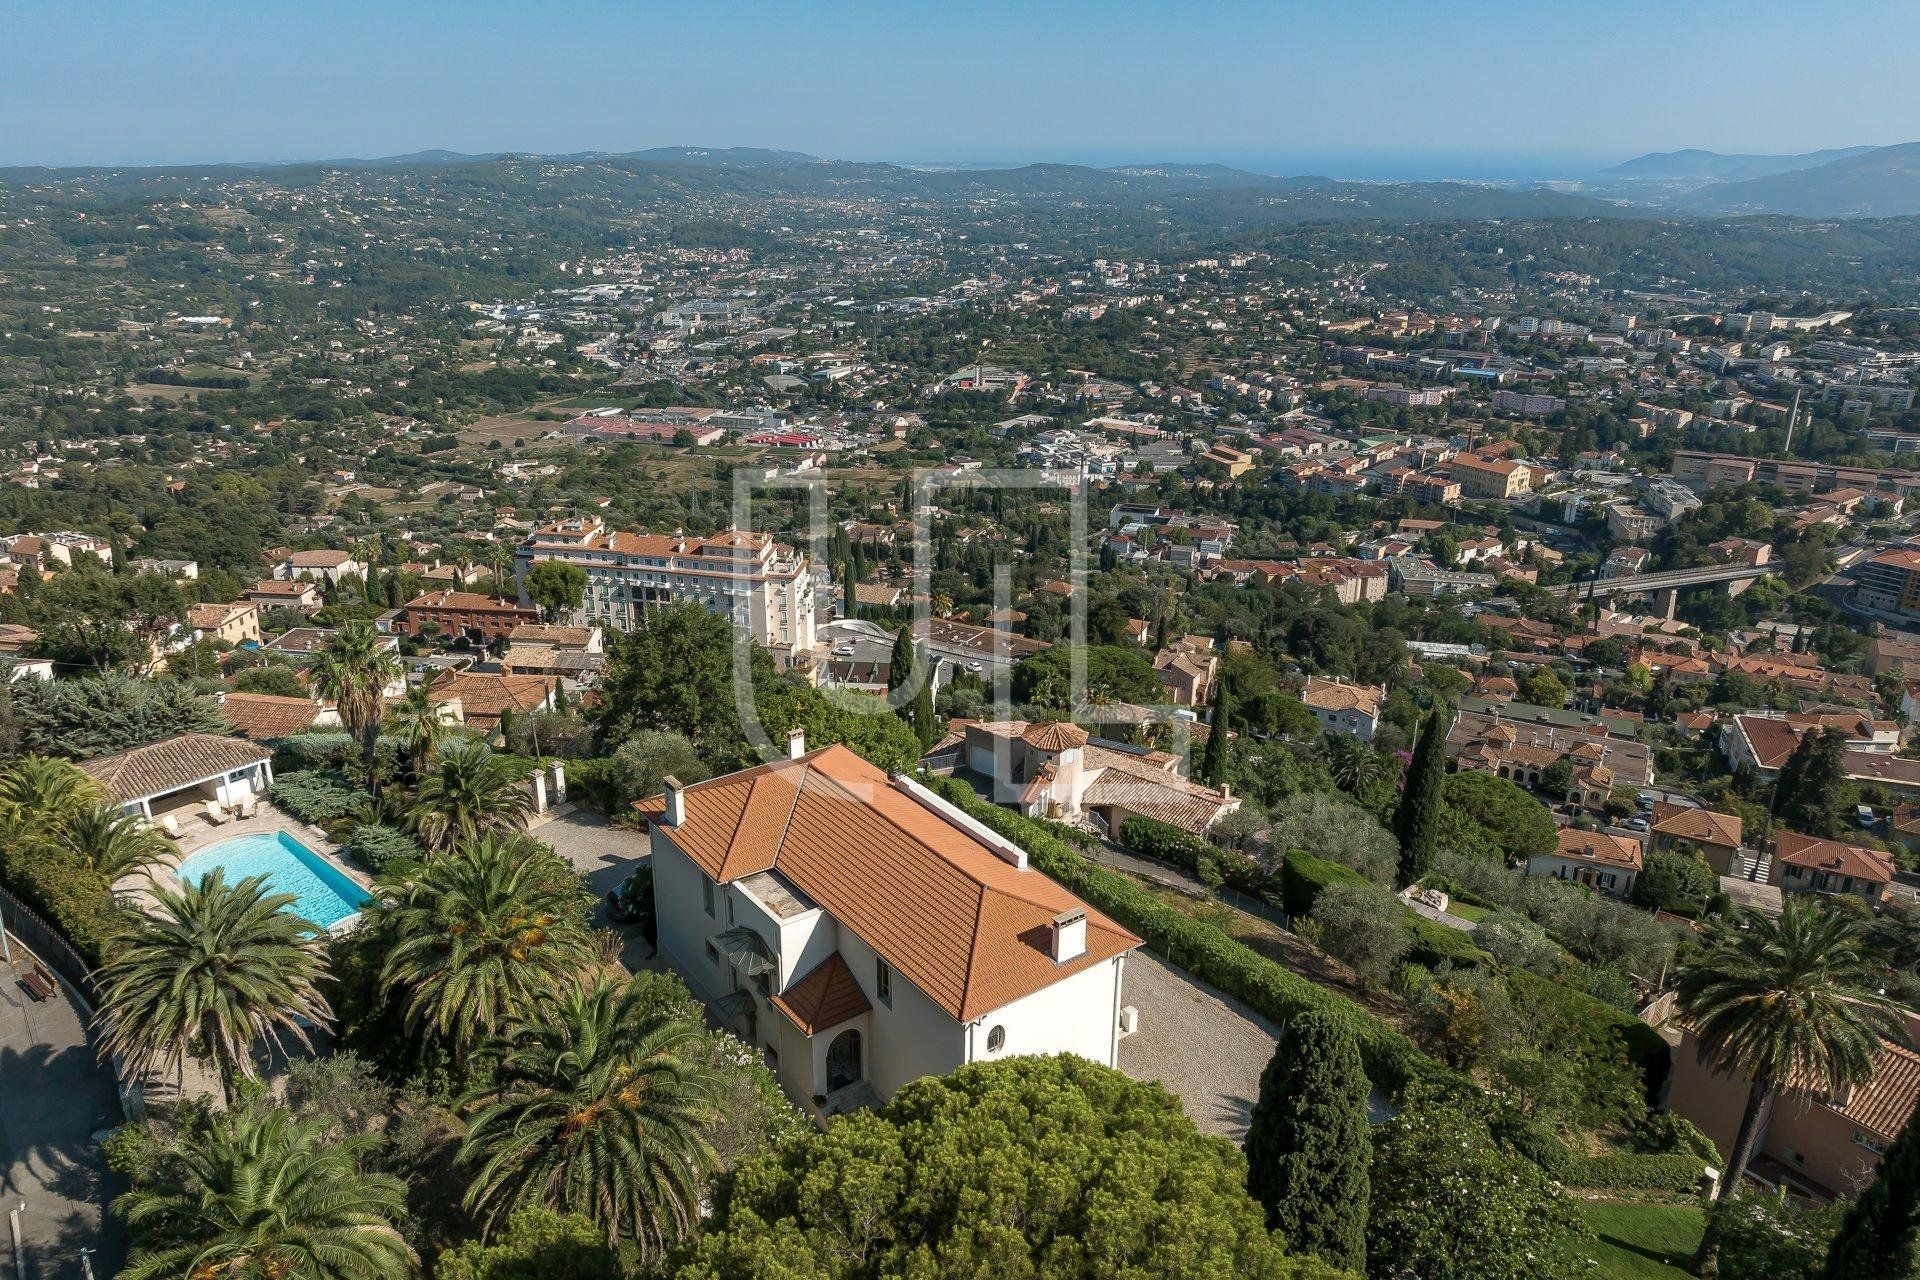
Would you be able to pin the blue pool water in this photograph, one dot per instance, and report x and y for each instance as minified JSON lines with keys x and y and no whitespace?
{"x":321,"y":893}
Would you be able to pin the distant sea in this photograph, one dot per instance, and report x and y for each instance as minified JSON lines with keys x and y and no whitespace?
{"x":1357,"y":166}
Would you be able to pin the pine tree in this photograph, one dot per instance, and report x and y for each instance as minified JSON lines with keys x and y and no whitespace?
{"x":1307,"y":1143}
{"x":1416,"y":823}
{"x":1813,"y":794}
{"x":1876,"y":1240}
{"x":1213,"y":757}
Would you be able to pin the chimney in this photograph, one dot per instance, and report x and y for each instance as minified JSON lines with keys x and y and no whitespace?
{"x":796,"y":742}
{"x":1070,"y":935}
{"x":1226,"y":792}
{"x":676,"y":803}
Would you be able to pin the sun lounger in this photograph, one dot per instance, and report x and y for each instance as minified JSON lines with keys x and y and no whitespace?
{"x":216,"y":815}
{"x":170,"y":825}
{"x":247,"y":807}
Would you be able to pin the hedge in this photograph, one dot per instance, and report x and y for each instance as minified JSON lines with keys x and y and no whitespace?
{"x":1435,"y":943}
{"x":316,"y":797}
{"x":1303,"y":875}
{"x":1277,"y":993}
{"x":71,"y":897}
{"x":1632,"y":1172}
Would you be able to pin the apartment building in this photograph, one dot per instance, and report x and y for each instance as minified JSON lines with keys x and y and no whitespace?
{"x":1890,"y":581}
{"x":763,"y":587}
{"x":1482,"y":476}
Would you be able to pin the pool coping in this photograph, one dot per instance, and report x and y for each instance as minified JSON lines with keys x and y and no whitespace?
{"x":316,"y":842}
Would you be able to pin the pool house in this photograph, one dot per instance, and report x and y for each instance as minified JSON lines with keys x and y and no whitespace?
{"x":182,"y":774}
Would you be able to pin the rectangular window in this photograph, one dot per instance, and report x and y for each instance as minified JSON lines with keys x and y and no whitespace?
{"x":883,"y":981}
{"x":713,"y":953}
{"x":706,"y":894}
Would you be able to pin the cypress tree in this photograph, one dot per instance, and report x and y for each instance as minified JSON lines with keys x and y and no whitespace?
{"x":1307,"y":1144}
{"x":1876,"y":1240}
{"x":905,"y":657}
{"x":1213,"y":758}
{"x":1416,"y":823}
{"x":850,"y":573}
{"x":925,"y":724}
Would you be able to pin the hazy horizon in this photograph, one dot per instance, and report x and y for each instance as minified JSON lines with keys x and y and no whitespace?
{"x":201,"y":81}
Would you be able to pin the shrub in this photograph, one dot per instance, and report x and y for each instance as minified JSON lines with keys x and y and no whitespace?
{"x":1358,"y":924}
{"x":376,"y":846}
{"x":1163,"y":841}
{"x":314,"y":751}
{"x":1303,"y":876}
{"x":316,"y":797}
{"x":1601,"y":1031}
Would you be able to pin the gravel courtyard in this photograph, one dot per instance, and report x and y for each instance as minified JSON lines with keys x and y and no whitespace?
{"x":1207,"y":1048}
{"x":605,"y":855}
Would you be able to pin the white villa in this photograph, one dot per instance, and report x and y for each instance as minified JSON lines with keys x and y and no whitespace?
{"x":862,"y":932}
{"x":1056,"y":770}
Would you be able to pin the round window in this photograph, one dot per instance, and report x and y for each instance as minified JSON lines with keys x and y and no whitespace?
{"x":996,"y":1039}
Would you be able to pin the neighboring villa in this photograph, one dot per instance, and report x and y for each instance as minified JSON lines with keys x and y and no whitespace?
{"x":1055,"y":770}
{"x":1715,"y":835}
{"x":863,"y":933}
{"x":1609,"y":863}
{"x":1825,"y":1145}
{"x":1803,"y":864}
{"x":1350,"y":709}
{"x":232,"y":624}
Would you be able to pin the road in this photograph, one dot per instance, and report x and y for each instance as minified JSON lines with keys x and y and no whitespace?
{"x":54,"y":1097}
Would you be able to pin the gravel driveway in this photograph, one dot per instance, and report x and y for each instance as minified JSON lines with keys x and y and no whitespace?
{"x":1207,"y":1048}
{"x":605,"y":855}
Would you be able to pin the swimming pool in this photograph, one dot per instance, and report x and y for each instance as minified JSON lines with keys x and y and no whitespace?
{"x":322,"y":893}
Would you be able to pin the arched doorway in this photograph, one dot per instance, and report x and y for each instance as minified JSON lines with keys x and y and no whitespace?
{"x":843,"y":1060}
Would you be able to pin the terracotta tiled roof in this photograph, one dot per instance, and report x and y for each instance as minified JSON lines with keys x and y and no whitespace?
{"x":826,"y":997}
{"x":1814,"y":854}
{"x":170,"y":764}
{"x":1057,"y":735}
{"x":1886,"y":1100}
{"x":263,"y":716}
{"x":484,"y":695}
{"x":1336,"y":695}
{"x":211,"y":617}
{"x":939,"y":905}
{"x":1598,"y":846}
{"x":1703,"y":826}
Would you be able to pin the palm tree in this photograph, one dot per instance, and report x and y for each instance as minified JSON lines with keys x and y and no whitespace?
{"x":1787,"y":1001}
{"x":415,"y":723}
{"x":261,"y":1194}
{"x":37,"y":790}
{"x":482,"y":935}
{"x":469,"y":792}
{"x":353,"y":669}
{"x":1354,"y":765}
{"x":215,"y":967}
{"x":598,"y":1108}
{"x":111,"y":842}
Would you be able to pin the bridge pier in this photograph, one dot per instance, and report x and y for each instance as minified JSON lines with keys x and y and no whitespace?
{"x":1665,"y":601}
{"x":1737,"y":585}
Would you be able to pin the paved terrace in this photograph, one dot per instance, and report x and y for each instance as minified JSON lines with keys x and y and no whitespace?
{"x":54,"y":1097}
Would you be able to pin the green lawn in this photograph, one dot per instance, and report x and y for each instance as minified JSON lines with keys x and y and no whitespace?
{"x":1467,"y":911}
{"x":1643,"y":1241}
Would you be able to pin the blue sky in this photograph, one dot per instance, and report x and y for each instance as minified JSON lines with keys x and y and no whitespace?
{"x":1353,"y":87}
